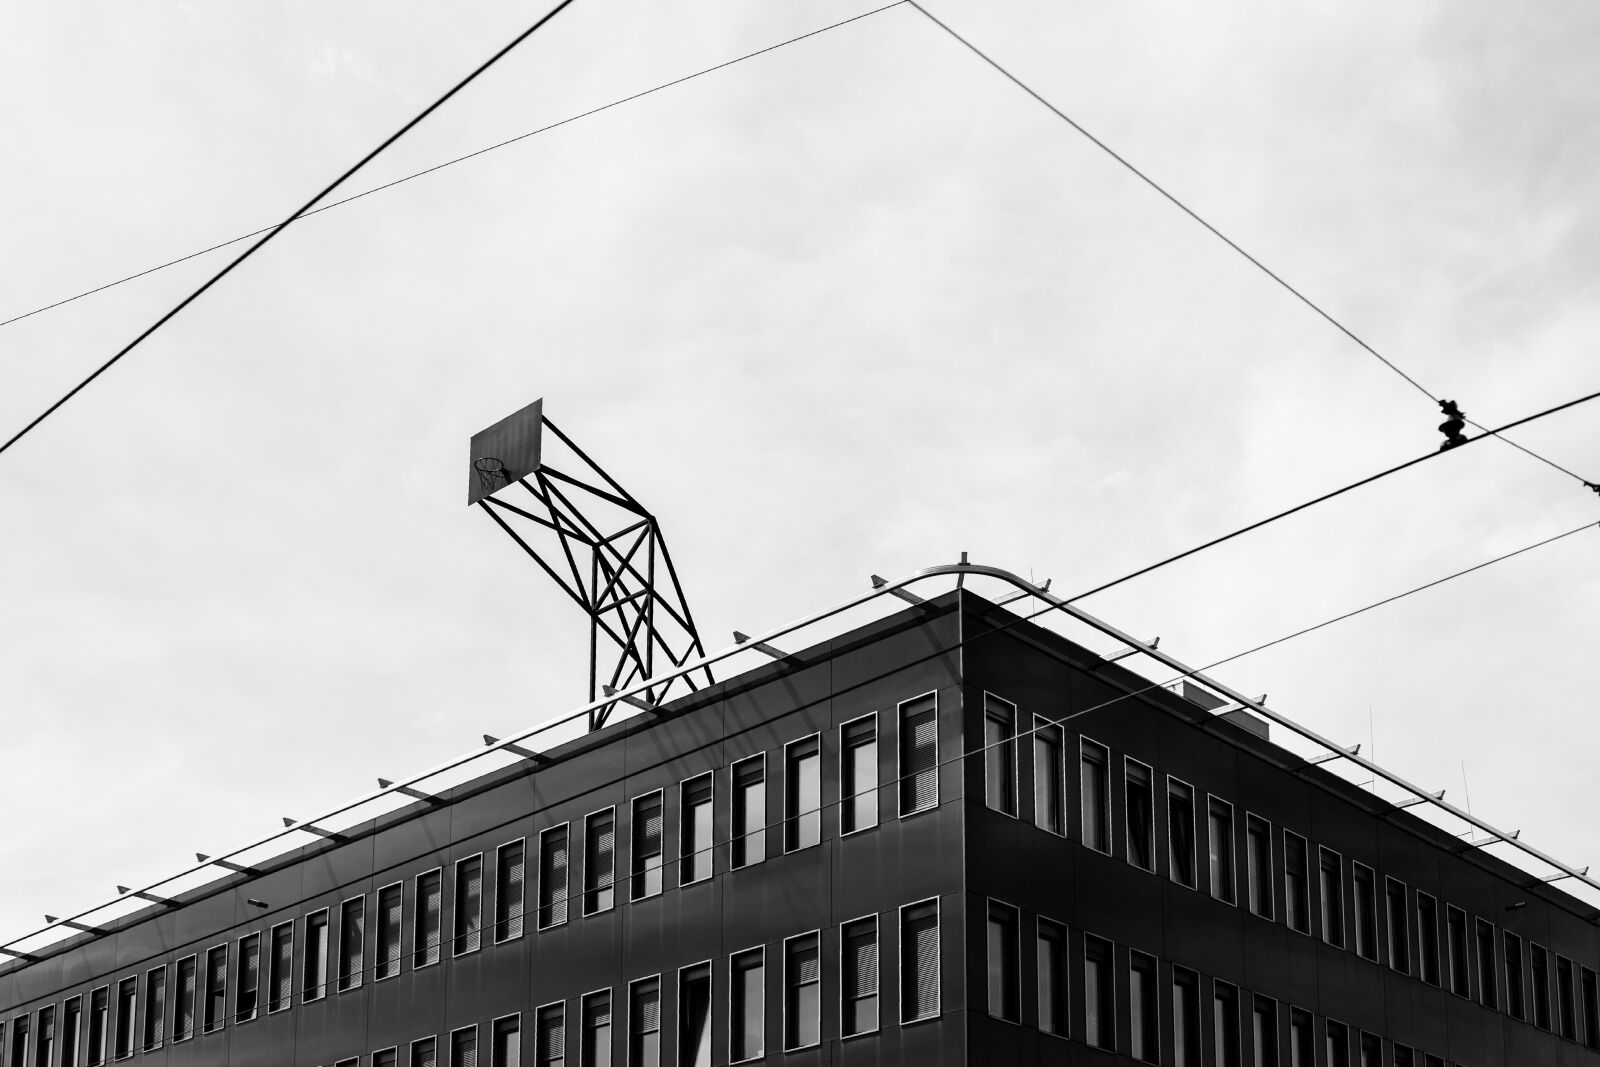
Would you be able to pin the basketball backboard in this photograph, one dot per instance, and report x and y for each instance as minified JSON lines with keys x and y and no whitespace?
{"x":505,"y":452}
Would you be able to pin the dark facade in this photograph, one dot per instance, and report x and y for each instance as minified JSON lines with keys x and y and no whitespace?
{"x":923,"y":843}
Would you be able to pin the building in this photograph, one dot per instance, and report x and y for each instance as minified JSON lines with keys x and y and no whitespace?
{"x":946,"y":837}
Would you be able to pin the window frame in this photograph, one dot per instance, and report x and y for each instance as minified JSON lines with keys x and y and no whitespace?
{"x":1336,"y":914}
{"x":847,"y":799}
{"x":1231,"y":856}
{"x":629,"y":1032}
{"x":272,"y":966}
{"x":684,"y":811}
{"x":133,"y":1019}
{"x":498,"y":923}
{"x":205,"y":1004}
{"x":105,"y":1028}
{"x":345,"y":983}
{"x":540,"y":907}
{"x":1356,"y":900}
{"x":400,"y":936}
{"x":538,"y":1019}
{"x":994,"y":904}
{"x":588,"y":835}
{"x":1015,"y":800}
{"x":733,"y":1016}
{"x":1516,"y":996}
{"x":900,"y":749}
{"x":238,"y":975}
{"x":450,"y":1044}
{"x":711,"y":1005}
{"x":1128,"y":763}
{"x":938,"y":988}
{"x":639,"y":876}
{"x":611,"y":1022}
{"x":1488,"y":983}
{"x":1172,"y":850}
{"x":793,"y":821}
{"x":1428,"y":954}
{"x":418,"y":945}
{"x":738,"y":838}
{"x":494,"y":1034}
{"x":327,"y":946}
{"x":1104,"y":831}
{"x":411,"y":1048}
{"x":1274,"y":1056}
{"x":144,"y":1044}
{"x":1153,"y":973}
{"x":1108,"y":1025}
{"x":175,"y":1036}
{"x":1269,"y":909}
{"x":457,"y":902}
{"x":1390,"y":939}
{"x":877,"y":986}
{"x":1450,"y":953}
{"x":1572,"y":1005}
{"x":788,"y":988}
{"x":1042,"y":723}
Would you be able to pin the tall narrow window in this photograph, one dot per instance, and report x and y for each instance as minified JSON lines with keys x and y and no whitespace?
{"x":802,"y":991}
{"x":1591,"y":1007}
{"x":352,"y":942}
{"x":1052,"y":957}
{"x":280,"y":968}
{"x":1049,"y":777}
{"x":1004,"y":969}
{"x":1332,"y":885}
{"x":1338,"y":1043}
{"x":1225,"y":1024}
{"x":44,"y":1048}
{"x":1366,"y":891}
{"x":746,"y":1019}
{"x":127,"y":1003}
{"x":1515,"y":1005}
{"x":1394,"y":895}
{"x":1264,"y":1027}
{"x":1186,"y":1018}
{"x":19,"y":1040}
{"x":425,"y":1052}
{"x":386,"y":1057}
{"x":1296,"y":883}
{"x":509,"y":896}
{"x":71,"y":1020}
{"x":595,"y":1045}
{"x":1486,"y":966}
{"x":697,"y":830}
{"x":99,"y":1009}
{"x":647,"y":843}
{"x":1094,"y":786}
{"x":553,"y":880}
{"x":391,"y":915}
{"x":694,"y":1016}
{"x":1302,"y":1042}
{"x":155,"y":1008}
{"x":858,"y":775}
{"x":1180,"y":830}
{"x":599,"y":861}
{"x":467,"y":930}
{"x":1428,"y":938}
{"x":1258,"y":841}
{"x":550,"y":1039}
{"x":919,"y":961}
{"x":1456,"y":941}
{"x":1403,"y":1056}
{"x":1371,"y":1050}
{"x":1140,"y":811}
{"x":1540,"y":968}
{"x":506,"y":1042}
{"x":1099,"y":994}
{"x":314,"y":979}
{"x":858,"y":967}
{"x":749,"y":843}
{"x":1000,"y":754}
{"x":216,"y":988}
{"x":428,"y":919}
{"x":919,"y":754}
{"x":644,"y":1023}
{"x":247,"y":979}
{"x":802,"y":794}
{"x":1566,"y":1000}
{"x":1221,"y":838}
{"x":1144,"y":1018}
{"x":464,"y":1047}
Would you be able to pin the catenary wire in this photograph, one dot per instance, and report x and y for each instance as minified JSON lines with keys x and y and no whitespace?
{"x":279,"y":228}
{"x":1224,"y":238}
{"x":459,"y":159}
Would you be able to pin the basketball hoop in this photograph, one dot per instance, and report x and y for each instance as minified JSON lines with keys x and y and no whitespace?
{"x":491,"y":474}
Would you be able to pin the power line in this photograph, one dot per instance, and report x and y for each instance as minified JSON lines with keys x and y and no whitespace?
{"x":274,"y":231}
{"x":1224,"y":238}
{"x":459,"y":159}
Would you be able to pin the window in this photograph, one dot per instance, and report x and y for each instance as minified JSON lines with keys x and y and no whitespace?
{"x":1566,"y":1001}
{"x":599,"y":861}
{"x":746,"y":1019}
{"x":1371,"y":1050}
{"x":647,"y":845}
{"x":550,"y":1037}
{"x":644,"y":1022}
{"x":1225,"y":1024}
{"x":553,"y":877}
{"x":464,"y":1047}
{"x":216,"y":1009}
{"x":424,"y":1053}
{"x":1456,"y":939}
{"x":247,"y":979}
{"x":1258,"y":861}
{"x":1486,"y":966}
{"x":510,"y":863}
{"x":1186,"y":1018}
{"x":1049,"y":777}
{"x":1433,"y":1061}
{"x":506,"y":1038}
{"x":155,"y":1008}
{"x":1540,"y":968}
{"x":1143,"y":1010}
{"x":1140,"y":813}
{"x":802,"y":822}
{"x":314,"y":980}
{"x":1264,"y":1027}
{"x":919,"y":754}
{"x":858,"y":775}
{"x":1302,"y":1043}
{"x":1591,"y":1007}
{"x":1093,"y":760}
{"x":1004,"y":969}
{"x":1515,"y":1005}
{"x":1394,"y":895}
{"x":1221,"y":838}
{"x":280,"y":980}
{"x":1296,"y":883}
{"x":858,"y":972}
{"x":1332,"y":885}
{"x":391,"y":914}
{"x":353,"y":1061}
{"x":352,"y":942}
{"x":1428,"y":937}
{"x":1052,"y":958}
{"x":919,"y":961}
{"x":1099,"y":994}
{"x":694,"y":1016}
{"x":1180,"y":829}
{"x":19,"y":1040}
{"x":99,"y":1008}
{"x":1366,"y":902}
{"x":697,"y":831}
{"x":467,"y":930}
{"x":45,"y":1046}
{"x":1403,"y":1056}
{"x":1338,"y":1042}
{"x":127,"y":1004}
{"x":1000,"y":754}
{"x":802,"y":991}
{"x":428,"y":920}
{"x":386,"y":1057}
{"x":749,"y":844}
{"x":71,"y":1019}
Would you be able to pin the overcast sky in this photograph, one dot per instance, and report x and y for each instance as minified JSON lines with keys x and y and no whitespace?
{"x":853,"y":307}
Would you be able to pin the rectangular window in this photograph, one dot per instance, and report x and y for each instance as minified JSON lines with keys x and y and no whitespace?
{"x":1456,"y":941}
{"x":1428,"y":937}
{"x":1144,"y":1013}
{"x":428,"y":919}
{"x":553,"y":880}
{"x":1140,"y":813}
{"x":919,"y":754}
{"x":467,"y":930}
{"x":1099,"y":994}
{"x":1403,"y":1056}
{"x":155,"y":1008}
{"x":127,"y":1004}
{"x":595,"y":1045}
{"x":1000,"y":754}
{"x":1258,"y":859}
{"x":802,"y":794}
{"x":644,"y":1023}
{"x":1296,"y":883}
{"x":746,"y":994}
{"x":1540,"y":968}
{"x":425,"y":1052}
{"x":1302,"y":1042}
{"x":216,"y":1011}
{"x":391,"y":916}
{"x":1221,"y":838}
{"x":45,"y":1047}
{"x":1566,"y":1000}
{"x":1094,"y":785}
{"x":1180,"y":830}
{"x":802,"y":991}
{"x":919,"y":961}
{"x":1332,"y":885}
{"x":1515,"y":1005}
{"x":1371,"y":1050}
{"x":510,"y":866}
{"x":99,"y":1009}
{"x":314,"y":980}
{"x":1186,"y":1018}
{"x":280,"y":968}
{"x":1225,"y":1024}
{"x":71,"y":1020}
{"x":506,"y":1042}
{"x":1486,"y":966}
{"x":1366,"y":891}
{"x":19,"y":1040}
{"x":648,"y":812}
{"x":1264,"y":1027}
{"x":1049,"y":777}
{"x":352,"y":942}
{"x":550,"y":1037}
{"x":247,"y":979}
{"x":1338,"y":1042}
{"x":749,"y":844}
{"x":858,"y":993}
{"x":1433,"y":1061}
{"x":1394,"y":895}
{"x":599,"y":861}
{"x":386,"y":1057}
{"x":696,"y":832}
{"x":1591,"y":1007}
{"x":858,"y":775}
{"x":1005,"y":978}
{"x":464,"y":1047}
{"x":694,"y":1016}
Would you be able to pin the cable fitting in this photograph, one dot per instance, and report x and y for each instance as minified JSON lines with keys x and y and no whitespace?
{"x":1452,"y":425}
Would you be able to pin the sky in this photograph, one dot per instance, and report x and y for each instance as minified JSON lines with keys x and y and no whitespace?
{"x":853,"y":307}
